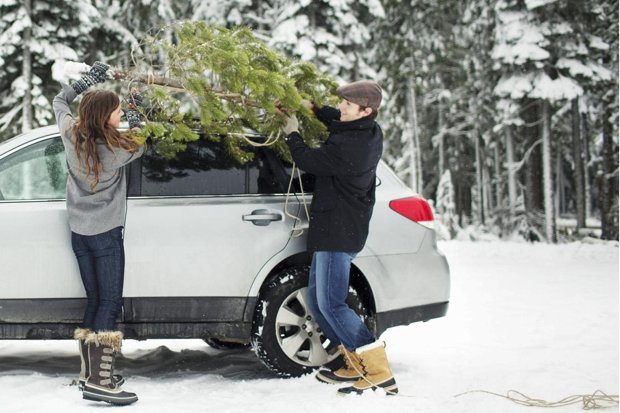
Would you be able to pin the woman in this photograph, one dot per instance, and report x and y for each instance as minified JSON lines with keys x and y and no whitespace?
{"x":96,"y":205}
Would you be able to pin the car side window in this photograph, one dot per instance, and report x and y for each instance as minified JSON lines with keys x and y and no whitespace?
{"x":266,"y":175}
{"x":38,"y":171}
{"x":206,"y":168}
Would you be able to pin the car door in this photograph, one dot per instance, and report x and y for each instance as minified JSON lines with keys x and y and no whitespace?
{"x":36,"y":260}
{"x":199,"y":228}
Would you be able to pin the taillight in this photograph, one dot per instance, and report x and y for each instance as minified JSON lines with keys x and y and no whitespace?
{"x":414,"y":208}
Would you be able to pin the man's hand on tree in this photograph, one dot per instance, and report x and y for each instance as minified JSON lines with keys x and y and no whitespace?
{"x":292,"y":125}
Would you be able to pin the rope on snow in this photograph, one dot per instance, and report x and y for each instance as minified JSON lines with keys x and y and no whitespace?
{"x":596,"y":400}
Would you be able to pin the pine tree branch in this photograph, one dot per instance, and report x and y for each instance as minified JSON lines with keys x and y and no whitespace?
{"x":149,"y":79}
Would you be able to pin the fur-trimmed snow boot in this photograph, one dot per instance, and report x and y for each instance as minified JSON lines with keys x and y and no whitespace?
{"x":80,"y":335}
{"x":100,"y":386}
{"x":377,"y":372}
{"x":351,"y":371}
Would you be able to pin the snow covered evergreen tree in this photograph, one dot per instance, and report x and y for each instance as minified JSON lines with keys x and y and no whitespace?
{"x":331,"y":34}
{"x":33,"y":35}
{"x":446,"y":208}
{"x":605,"y":114}
{"x":546,"y":60}
{"x":424,"y":122}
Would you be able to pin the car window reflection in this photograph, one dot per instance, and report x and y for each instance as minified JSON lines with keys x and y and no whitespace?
{"x":38,"y":171}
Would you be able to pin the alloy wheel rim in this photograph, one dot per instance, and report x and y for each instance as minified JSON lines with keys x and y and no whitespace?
{"x":298,"y":333}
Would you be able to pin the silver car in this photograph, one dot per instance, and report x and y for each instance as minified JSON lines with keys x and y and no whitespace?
{"x":214,"y":250}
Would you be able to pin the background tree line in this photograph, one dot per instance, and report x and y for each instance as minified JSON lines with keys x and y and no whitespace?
{"x":503,"y":113}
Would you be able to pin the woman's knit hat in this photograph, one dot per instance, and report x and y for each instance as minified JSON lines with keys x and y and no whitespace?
{"x":365,"y":93}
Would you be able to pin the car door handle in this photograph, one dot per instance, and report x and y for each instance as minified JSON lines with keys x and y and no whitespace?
{"x":262,"y":217}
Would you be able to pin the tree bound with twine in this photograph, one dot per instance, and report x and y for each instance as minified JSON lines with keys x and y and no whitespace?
{"x":222,"y":83}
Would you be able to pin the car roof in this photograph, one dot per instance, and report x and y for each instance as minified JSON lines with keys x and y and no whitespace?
{"x":44,"y":131}
{"x":27,"y":137}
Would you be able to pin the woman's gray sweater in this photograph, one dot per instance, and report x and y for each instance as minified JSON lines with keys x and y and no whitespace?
{"x":98,"y":211}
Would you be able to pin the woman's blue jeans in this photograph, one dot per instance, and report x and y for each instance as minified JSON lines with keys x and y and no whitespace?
{"x":101,"y":259}
{"x":328,"y":288}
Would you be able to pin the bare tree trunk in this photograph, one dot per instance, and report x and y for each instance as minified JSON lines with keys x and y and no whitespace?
{"x":498,"y":176}
{"x":609,"y":183}
{"x":550,"y":227}
{"x":580,"y":200}
{"x":559,"y":200}
{"x":510,"y":164}
{"x":415,"y":169}
{"x":27,"y":71}
{"x":479,"y":179}
{"x":486,"y":182}
{"x":585,"y":140}
{"x":534,"y":198}
{"x":442,"y":155}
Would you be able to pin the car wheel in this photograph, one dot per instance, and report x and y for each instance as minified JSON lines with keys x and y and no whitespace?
{"x":218,"y":344}
{"x":285,"y":336}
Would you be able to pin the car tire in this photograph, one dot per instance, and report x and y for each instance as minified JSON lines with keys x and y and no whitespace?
{"x":285,"y":337}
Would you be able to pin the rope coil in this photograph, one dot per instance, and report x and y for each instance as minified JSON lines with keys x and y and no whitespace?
{"x":596,"y":400}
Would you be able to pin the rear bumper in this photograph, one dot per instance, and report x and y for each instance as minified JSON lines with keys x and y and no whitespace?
{"x":405,"y":316}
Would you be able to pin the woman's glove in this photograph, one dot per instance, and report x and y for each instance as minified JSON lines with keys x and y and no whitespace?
{"x":134,"y":100}
{"x":96,"y":74}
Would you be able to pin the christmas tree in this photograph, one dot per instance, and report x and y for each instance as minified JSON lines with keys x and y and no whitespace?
{"x":200,"y":79}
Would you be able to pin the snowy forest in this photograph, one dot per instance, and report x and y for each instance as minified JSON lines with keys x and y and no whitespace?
{"x":504,"y":114}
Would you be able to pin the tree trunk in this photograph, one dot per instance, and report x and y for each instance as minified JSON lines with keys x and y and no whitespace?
{"x":609,"y":185}
{"x":550,"y":227}
{"x":27,"y":71}
{"x":499,"y":201}
{"x":479,"y":179}
{"x":415,"y":169}
{"x":441,"y":150}
{"x":559,"y":202}
{"x":486,"y":183}
{"x":533,"y":172}
{"x":585,"y":140}
{"x":580,"y":199}
{"x":510,"y":165}
{"x":462,"y":182}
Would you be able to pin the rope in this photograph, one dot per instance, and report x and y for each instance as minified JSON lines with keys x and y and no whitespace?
{"x":297,"y":231}
{"x":596,"y":400}
{"x":271,"y":139}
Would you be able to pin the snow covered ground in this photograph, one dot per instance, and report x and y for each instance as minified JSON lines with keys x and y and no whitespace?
{"x":539,"y":319}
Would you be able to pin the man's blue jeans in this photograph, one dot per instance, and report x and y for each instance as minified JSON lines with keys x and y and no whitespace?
{"x":328,"y":288}
{"x":101,"y":259}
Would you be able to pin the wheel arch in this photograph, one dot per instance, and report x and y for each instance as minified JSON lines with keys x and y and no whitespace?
{"x":358,"y":281}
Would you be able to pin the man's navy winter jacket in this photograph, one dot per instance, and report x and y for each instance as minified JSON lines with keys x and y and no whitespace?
{"x":345,"y":170}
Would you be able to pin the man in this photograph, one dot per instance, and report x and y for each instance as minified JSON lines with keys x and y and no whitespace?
{"x":342,"y":203}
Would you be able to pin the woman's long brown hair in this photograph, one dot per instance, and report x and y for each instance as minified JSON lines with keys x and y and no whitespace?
{"x":92,"y":126}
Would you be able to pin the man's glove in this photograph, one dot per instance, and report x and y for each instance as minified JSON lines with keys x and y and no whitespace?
{"x":96,"y":74}
{"x":134,"y":100}
{"x":292,"y":125}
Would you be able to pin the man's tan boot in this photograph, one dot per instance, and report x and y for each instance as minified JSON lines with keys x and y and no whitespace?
{"x":351,"y":371}
{"x":377,"y":372}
